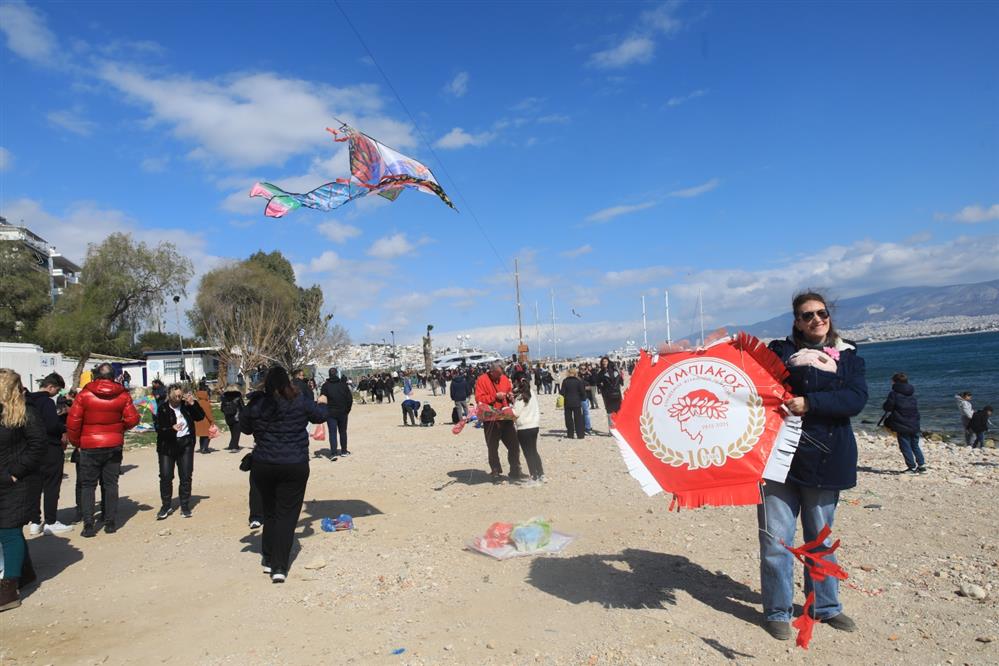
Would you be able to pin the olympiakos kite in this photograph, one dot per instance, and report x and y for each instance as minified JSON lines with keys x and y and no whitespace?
{"x":702,"y":424}
{"x":375,"y":169}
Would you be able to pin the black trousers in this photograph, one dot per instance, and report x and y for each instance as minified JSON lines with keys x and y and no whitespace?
{"x":282,"y":490}
{"x":103,"y":465}
{"x":504,"y":431}
{"x":181,"y":457}
{"x":574,"y":423}
{"x":411,"y":413}
{"x":337,"y":426}
{"x":46,"y":484}
{"x":529,"y":445}
{"x":256,"y":503}
{"x":233,"y":426}
{"x":203,"y":443}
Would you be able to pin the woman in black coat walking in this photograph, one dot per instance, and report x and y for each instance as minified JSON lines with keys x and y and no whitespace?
{"x":610,"y":381}
{"x":902,"y":416}
{"x":277,"y":418}
{"x":573,"y":393}
{"x":22,"y":449}
{"x":231,"y":406}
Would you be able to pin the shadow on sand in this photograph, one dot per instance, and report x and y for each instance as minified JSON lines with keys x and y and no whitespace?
{"x":642,"y":579}
{"x":50,"y":555}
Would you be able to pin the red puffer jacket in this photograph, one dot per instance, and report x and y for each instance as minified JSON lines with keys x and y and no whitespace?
{"x":100,"y":415}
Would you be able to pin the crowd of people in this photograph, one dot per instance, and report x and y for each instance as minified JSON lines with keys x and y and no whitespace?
{"x":36,"y":428}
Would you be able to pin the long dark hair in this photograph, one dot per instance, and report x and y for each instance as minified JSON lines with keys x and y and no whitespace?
{"x":523,"y":390}
{"x":278,"y":383}
{"x":797,"y":302}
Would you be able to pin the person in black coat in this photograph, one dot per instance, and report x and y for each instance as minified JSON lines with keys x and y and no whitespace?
{"x":902,"y":416}
{"x":573,"y":393}
{"x":979,"y":425}
{"x":231,"y":406}
{"x":828,"y":380}
{"x":459,"y":393}
{"x":22,"y":450}
{"x":277,"y":418}
{"x":48,"y":482}
{"x":609,"y":380}
{"x":339,"y":401}
{"x":175,"y":435}
{"x":427,"y":415}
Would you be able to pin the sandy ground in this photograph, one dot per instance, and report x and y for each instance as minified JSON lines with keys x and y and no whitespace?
{"x":640,"y":585}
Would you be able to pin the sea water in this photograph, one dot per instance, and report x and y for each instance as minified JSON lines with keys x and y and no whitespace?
{"x":938,"y":368}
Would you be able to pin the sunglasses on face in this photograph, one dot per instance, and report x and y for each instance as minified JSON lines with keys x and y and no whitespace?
{"x":808,"y":316}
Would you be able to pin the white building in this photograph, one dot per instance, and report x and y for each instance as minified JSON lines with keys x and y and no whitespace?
{"x":33,"y":364}
{"x":61,"y":271}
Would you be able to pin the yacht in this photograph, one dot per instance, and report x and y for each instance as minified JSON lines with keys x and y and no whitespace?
{"x":465,"y":356}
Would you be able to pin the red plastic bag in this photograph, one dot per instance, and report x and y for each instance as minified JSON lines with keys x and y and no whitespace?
{"x":497,"y":535}
{"x":213,"y":431}
{"x":319,"y":432}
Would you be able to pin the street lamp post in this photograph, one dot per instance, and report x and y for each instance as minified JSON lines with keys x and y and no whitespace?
{"x":395,"y":357}
{"x":180,"y":338}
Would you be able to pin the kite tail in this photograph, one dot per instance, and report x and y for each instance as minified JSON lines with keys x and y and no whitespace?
{"x":813,"y":555}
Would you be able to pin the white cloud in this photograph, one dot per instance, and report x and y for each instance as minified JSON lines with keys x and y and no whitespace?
{"x":338,"y":232}
{"x":459,"y":138}
{"x":681,"y":99}
{"x":697,"y":190}
{"x":972,"y":214}
{"x":633,"y":49}
{"x":327,"y":261}
{"x":256,"y":119}
{"x":578,"y":252}
{"x":396,"y":245}
{"x":457,"y":86}
{"x":607,"y":214}
{"x":529,"y":104}
{"x":72,"y":121}
{"x":26,"y":32}
{"x":554,"y":119}
{"x":636,"y":276}
{"x":154,"y":164}
{"x":639,"y":46}
{"x":6,"y":159}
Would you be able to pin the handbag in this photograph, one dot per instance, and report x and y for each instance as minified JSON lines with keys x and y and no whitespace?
{"x":559,"y":401}
{"x":246,"y":463}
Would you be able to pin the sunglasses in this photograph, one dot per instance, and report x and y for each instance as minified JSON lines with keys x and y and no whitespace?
{"x":808,"y":316}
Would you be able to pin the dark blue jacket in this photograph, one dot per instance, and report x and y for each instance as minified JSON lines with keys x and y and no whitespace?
{"x":459,"y":388}
{"x":827,"y":453}
{"x":46,"y":408}
{"x":279,"y":426}
{"x":903,"y":412}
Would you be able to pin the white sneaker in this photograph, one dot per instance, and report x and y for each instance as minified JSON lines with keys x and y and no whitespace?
{"x":34,"y":529}
{"x":56,"y":528}
{"x":255,"y":525}
{"x":278,"y":577}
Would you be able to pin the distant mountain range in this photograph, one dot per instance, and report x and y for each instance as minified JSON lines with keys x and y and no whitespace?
{"x":903,"y":303}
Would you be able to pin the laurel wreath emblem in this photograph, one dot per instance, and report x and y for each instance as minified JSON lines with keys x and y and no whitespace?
{"x":737,"y":449}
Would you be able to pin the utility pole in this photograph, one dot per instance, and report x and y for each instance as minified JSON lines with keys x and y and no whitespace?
{"x":700,"y":305}
{"x":522,"y":351}
{"x":537,"y":328}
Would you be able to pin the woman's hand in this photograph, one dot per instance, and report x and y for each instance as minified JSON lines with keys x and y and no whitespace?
{"x":177,"y":427}
{"x":797,"y":406}
{"x":322,"y":400}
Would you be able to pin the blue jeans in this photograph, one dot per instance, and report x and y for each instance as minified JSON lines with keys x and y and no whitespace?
{"x":586,"y":415}
{"x":778,"y":515}
{"x":909,"y":445}
{"x":979,"y":442}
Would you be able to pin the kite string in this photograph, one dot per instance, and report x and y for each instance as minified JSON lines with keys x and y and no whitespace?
{"x":412,"y":119}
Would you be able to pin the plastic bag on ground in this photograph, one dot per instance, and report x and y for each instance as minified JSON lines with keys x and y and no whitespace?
{"x":532,"y":535}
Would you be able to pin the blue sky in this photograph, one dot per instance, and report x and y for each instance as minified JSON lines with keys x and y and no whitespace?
{"x":739,"y":150}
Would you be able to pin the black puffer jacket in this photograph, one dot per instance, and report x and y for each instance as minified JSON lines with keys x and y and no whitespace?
{"x":573,"y":391}
{"x":21,"y":453}
{"x":278,"y":427}
{"x":46,"y":409}
{"x":339,"y":399}
{"x":903,"y":412}
{"x":827,"y":454}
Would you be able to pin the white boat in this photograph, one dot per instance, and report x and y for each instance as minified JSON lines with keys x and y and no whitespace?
{"x":464,"y":357}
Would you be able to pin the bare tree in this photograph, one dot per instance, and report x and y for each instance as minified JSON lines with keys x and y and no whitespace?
{"x":248,"y":313}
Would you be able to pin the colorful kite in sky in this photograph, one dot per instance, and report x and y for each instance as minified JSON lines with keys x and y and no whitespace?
{"x":375,"y":169}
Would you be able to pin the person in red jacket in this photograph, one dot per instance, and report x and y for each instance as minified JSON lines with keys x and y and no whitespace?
{"x":493,"y":388}
{"x":96,"y":424}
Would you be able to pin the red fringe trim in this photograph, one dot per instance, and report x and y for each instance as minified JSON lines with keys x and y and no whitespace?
{"x":734,"y":495}
{"x":761,"y":353}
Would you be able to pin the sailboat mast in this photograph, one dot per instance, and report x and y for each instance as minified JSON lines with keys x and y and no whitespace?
{"x":554,"y":331}
{"x":645,"y":326}
{"x":520,"y":324}
{"x":700,"y":305}
{"x":537,"y":327}
{"x":669,"y":337}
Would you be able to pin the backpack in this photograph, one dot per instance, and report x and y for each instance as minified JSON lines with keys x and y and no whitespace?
{"x":454,"y":415}
{"x":229,"y":408}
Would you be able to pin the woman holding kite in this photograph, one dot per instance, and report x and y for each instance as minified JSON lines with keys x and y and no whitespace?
{"x":828,"y":380}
